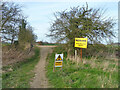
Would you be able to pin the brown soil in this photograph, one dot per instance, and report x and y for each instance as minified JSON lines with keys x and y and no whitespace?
{"x":40,"y":80}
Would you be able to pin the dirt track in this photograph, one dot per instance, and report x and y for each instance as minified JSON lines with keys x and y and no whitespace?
{"x":40,"y":80}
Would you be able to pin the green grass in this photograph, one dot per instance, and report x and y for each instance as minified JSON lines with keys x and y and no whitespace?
{"x":5,"y":44}
{"x":0,"y":81}
{"x":99,"y":75}
{"x":22,"y":73}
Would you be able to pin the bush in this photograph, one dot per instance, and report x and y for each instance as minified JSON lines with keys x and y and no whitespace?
{"x":98,"y":50}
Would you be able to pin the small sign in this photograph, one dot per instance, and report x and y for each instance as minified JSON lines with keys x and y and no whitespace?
{"x":59,"y":57}
{"x":58,"y":60}
{"x":81,"y":42}
{"x":58,"y":63}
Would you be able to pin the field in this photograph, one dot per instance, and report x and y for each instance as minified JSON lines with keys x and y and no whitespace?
{"x":20,"y":74}
{"x":93,"y":72}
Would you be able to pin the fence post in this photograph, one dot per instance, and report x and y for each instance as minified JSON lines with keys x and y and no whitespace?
{"x":75,"y":54}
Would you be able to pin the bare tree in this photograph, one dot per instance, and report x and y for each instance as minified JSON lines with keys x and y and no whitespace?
{"x":11,"y":15}
{"x":81,"y":22}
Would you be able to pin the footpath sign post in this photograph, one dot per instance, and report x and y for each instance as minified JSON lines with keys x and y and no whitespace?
{"x":81,"y":43}
{"x":58,"y":61}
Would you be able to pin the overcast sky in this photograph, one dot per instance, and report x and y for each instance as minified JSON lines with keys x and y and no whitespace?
{"x":40,"y":14}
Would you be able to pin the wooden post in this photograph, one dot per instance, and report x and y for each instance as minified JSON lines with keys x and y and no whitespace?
{"x":81,"y":54}
{"x":75,"y":54}
{"x":61,"y":67}
{"x":76,"y":59}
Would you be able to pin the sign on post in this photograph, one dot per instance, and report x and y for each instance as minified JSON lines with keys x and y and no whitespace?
{"x":58,"y":60}
{"x":81,"y":42}
{"x":58,"y":63}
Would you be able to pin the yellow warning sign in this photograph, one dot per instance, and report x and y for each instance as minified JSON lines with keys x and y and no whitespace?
{"x":59,"y":58}
{"x":81,"y":42}
{"x":58,"y":63}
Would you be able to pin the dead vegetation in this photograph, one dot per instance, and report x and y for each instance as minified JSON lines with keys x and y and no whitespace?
{"x":11,"y":55}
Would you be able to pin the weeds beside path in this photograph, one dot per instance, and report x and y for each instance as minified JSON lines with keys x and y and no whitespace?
{"x":98,"y":73}
{"x":21,"y":73}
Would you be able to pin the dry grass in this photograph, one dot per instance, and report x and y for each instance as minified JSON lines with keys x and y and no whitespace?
{"x":13,"y":55}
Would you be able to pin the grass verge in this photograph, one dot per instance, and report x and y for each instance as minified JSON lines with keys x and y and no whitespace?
{"x":22,"y":73}
{"x":93,"y":74}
